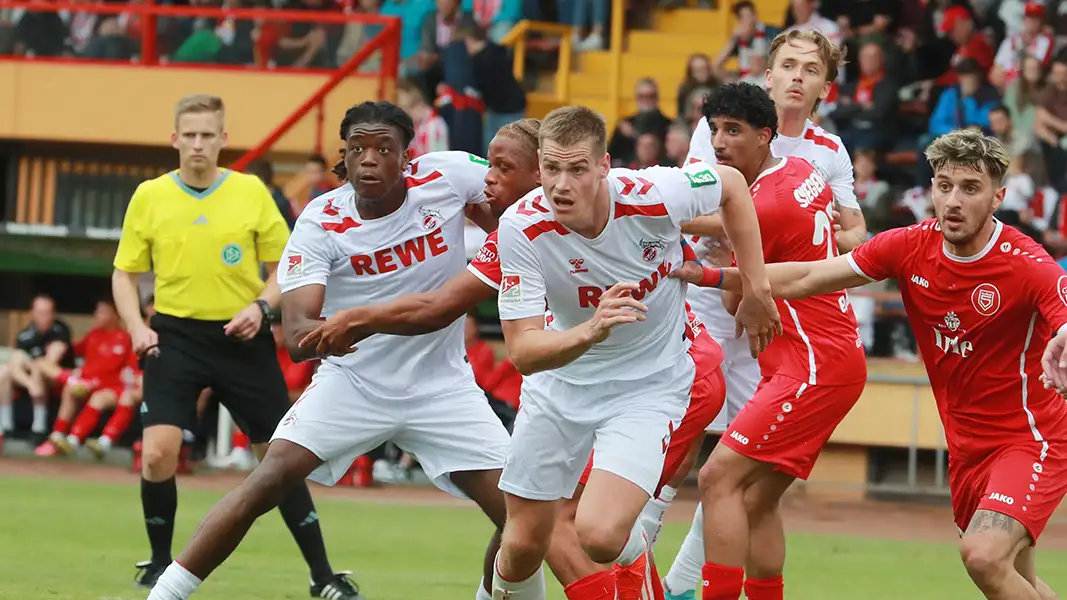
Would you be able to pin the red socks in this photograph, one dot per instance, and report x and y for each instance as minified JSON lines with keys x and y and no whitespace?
{"x":239,"y":440}
{"x":85,"y":423}
{"x":771,"y":588}
{"x":119,"y":422}
{"x":62,"y":426}
{"x":598,"y":586}
{"x":722,"y":583}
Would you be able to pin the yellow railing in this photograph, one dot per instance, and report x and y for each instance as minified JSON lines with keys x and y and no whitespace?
{"x":516,"y":39}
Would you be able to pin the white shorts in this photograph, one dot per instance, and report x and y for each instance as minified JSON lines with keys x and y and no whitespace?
{"x":742,"y":375}
{"x":626,"y":424}
{"x":449,"y":432}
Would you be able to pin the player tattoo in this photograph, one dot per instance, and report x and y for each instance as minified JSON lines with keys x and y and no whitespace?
{"x":987,"y":520}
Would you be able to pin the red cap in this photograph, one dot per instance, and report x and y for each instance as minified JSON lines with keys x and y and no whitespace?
{"x":1035,"y":9}
{"x":953,"y":14}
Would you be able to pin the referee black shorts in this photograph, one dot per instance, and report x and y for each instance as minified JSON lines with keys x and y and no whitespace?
{"x":194,"y":355}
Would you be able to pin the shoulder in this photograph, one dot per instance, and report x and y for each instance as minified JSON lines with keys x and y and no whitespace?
{"x":530,"y":209}
{"x":27,"y":334}
{"x":820,"y":138}
{"x":60,"y":327}
{"x":333,"y":206}
{"x":447,"y":162}
{"x":1018,"y":246}
{"x":150,"y":187}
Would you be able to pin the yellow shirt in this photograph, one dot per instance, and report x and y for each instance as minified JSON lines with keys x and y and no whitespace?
{"x":204,"y":247}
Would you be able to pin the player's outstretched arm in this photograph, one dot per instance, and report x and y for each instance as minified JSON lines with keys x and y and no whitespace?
{"x":757,"y":314}
{"x":413,"y":314}
{"x":301,"y":308}
{"x":707,"y":226}
{"x":788,"y":280}
{"x":532,"y":348}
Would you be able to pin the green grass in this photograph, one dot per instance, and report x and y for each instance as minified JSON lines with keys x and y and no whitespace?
{"x":70,"y":540}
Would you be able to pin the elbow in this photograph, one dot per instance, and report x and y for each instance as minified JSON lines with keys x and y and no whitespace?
{"x":523,"y":366}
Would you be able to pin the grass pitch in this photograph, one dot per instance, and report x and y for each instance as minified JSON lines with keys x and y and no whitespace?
{"x":73,"y":540}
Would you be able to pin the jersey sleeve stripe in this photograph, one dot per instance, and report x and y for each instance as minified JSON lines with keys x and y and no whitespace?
{"x":534,"y":231}
{"x":648,"y":210}
{"x":819,"y":140}
{"x":345,"y":224}
{"x":483,"y":277}
{"x":414,"y":182}
{"x":855,"y":267}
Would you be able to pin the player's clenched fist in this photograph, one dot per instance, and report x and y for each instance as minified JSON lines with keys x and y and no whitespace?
{"x":617,"y":306}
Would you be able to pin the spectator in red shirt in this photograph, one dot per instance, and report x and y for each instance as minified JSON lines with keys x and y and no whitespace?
{"x":958,"y":25}
{"x":106,"y":352}
{"x":501,"y":381}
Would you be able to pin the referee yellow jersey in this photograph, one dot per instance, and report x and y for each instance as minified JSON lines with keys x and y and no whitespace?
{"x":204,"y":247}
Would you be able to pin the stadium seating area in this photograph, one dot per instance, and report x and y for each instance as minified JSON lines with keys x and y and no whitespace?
{"x":916,"y":68}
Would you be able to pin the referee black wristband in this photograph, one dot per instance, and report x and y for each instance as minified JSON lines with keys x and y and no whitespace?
{"x":265,"y":307}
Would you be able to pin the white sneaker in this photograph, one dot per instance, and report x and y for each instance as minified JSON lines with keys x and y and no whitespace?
{"x":593,"y":41}
{"x":241,"y":459}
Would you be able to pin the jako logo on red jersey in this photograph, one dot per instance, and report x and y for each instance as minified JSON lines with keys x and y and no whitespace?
{"x":589,"y":295}
{"x":406,"y":254}
{"x":1002,"y":498}
{"x":740,"y":438}
{"x":808,"y":191}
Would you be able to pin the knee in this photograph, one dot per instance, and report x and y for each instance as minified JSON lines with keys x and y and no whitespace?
{"x":984,"y":557}
{"x":715,"y":477}
{"x":525,"y":545}
{"x":159,"y":462}
{"x":602,"y":539}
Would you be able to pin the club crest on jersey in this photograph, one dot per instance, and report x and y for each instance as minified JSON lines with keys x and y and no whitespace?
{"x":578,"y":266}
{"x":952,"y":321}
{"x":510,"y":289}
{"x":1061,"y":288}
{"x":986,"y":299}
{"x":650,"y":249}
{"x":295,"y":268}
{"x":430,"y":218}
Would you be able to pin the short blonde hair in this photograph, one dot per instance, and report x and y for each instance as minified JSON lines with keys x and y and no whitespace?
{"x":199,"y":103}
{"x":970,"y":147}
{"x":830,"y":54}
{"x":573,"y":125}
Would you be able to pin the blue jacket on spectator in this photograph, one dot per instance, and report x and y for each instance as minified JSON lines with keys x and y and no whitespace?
{"x":510,"y":11}
{"x":955,"y":112}
{"x":412,"y":13}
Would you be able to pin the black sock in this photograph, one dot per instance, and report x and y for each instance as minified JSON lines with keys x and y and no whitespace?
{"x":298,"y":512}
{"x":159,"y":501}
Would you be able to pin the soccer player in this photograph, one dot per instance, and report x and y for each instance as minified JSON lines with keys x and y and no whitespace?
{"x":812,"y":376}
{"x":803,"y":68}
{"x":983,"y":300}
{"x":106,"y":350}
{"x":577,"y":245}
{"x":513,"y":173}
{"x":204,"y":231}
{"x":396,"y":228}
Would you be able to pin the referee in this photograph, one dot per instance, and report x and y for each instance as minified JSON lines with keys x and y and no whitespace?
{"x":203,"y":231}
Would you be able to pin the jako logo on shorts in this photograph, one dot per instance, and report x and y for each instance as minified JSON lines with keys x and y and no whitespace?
{"x":737,"y":436}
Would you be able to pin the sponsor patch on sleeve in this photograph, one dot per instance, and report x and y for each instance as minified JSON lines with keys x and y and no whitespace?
{"x":700,"y":175}
{"x":511,"y":289}
{"x":294,"y":269}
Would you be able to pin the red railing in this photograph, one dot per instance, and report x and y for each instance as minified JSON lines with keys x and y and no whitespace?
{"x":387,"y":41}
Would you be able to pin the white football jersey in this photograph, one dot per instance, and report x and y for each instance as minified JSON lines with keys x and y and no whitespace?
{"x":415,"y":249}
{"x":822,"y":149}
{"x":545,"y":265}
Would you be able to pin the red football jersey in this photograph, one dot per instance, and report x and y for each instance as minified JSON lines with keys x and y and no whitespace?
{"x":821,"y":344}
{"x":982,"y":323}
{"x":106,"y":353}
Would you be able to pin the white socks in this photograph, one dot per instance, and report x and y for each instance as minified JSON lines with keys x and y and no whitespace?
{"x":174,"y":584}
{"x":636,"y":546}
{"x":7,"y":418}
{"x":532,"y":588}
{"x":685,"y":572}
{"x":651,"y":518}
{"x":40,"y":419}
{"x":482,"y":594}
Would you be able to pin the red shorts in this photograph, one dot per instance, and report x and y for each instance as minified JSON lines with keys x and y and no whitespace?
{"x":705,"y":401}
{"x":92,"y":384}
{"x":787,"y":422}
{"x":1020,"y":480}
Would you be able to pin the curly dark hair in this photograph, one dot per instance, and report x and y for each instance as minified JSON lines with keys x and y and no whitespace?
{"x":382,"y":112}
{"x":745,"y":102}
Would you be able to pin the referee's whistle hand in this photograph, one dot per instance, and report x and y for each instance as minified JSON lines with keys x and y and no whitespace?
{"x":246,"y":324}
{"x":144,"y":339}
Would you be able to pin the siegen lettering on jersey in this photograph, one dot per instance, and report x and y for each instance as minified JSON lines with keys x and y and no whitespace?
{"x":810,"y":189}
{"x":410,"y":252}
{"x":589,"y":295}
